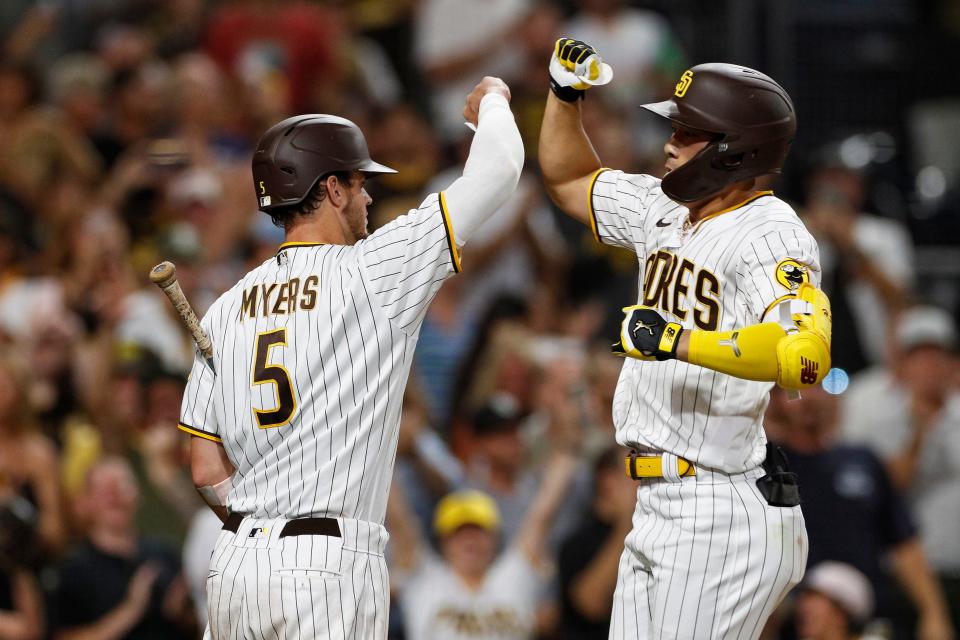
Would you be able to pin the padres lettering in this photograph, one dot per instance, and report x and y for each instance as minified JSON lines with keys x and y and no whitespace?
{"x":279,"y":298}
{"x":670,"y":282}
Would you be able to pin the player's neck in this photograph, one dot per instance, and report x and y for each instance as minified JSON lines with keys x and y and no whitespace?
{"x":472,"y":581}
{"x":325,"y":226}
{"x":727,"y":199}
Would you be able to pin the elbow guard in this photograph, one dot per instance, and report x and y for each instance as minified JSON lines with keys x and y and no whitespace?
{"x":803,"y":356}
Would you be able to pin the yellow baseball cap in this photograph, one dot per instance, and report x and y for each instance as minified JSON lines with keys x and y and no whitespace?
{"x":465,"y":507}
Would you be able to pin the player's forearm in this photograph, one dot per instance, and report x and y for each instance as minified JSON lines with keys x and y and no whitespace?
{"x":405,"y":537}
{"x":903,"y":468}
{"x":492,"y":169}
{"x":112,"y":626}
{"x":591,"y":591}
{"x":751,"y":354}
{"x":560,"y":469}
{"x":212,"y":472}
{"x":893,"y":295}
{"x":917,"y":579}
{"x":565,"y":152}
{"x":16,"y":626}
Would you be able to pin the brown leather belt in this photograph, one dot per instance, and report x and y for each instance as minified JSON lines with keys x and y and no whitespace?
{"x":299,"y":527}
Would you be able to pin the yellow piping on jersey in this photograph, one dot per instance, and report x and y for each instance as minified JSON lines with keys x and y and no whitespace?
{"x":197,"y":432}
{"x":287,"y":245}
{"x":593,"y":214}
{"x":759,"y":194}
{"x":451,"y":240}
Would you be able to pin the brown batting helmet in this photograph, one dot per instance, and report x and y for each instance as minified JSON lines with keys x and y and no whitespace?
{"x":750,"y":116}
{"x":293,"y":154}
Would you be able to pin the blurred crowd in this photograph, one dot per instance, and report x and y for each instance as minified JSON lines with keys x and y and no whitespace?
{"x":127,"y":128}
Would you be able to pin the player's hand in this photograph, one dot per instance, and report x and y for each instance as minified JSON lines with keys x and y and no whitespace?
{"x":489,"y":84}
{"x":646,"y":335}
{"x":575,"y":66}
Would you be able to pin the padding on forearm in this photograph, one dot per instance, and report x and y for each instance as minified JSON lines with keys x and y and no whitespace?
{"x":766,"y":351}
{"x":749,"y":353}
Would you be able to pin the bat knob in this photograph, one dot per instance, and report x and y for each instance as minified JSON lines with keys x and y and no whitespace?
{"x":163,"y":274}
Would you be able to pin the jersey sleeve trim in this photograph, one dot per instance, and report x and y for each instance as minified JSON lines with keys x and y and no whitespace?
{"x":200,"y":433}
{"x":773,"y":305}
{"x":593,"y":214}
{"x":288,"y":245}
{"x":451,"y":243}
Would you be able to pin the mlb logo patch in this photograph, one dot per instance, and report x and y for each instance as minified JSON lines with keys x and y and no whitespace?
{"x":265,"y":201}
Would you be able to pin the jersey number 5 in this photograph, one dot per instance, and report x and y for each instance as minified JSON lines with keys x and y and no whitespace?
{"x":275,"y":374}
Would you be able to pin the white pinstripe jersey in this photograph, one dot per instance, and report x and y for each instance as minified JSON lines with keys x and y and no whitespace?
{"x":311,"y":351}
{"x":729,"y":270}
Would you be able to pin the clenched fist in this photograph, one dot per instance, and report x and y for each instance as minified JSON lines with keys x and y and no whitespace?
{"x":489,"y":84}
{"x":575,"y":66}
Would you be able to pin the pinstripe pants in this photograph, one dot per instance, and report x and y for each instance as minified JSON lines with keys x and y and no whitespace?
{"x":707,"y":558}
{"x":261,"y":586}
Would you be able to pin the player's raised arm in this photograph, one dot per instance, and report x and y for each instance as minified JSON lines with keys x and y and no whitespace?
{"x":492,"y":169}
{"x":568,"y":160}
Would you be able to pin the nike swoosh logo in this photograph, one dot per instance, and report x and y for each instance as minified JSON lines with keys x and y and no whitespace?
{"x":663,"y":223}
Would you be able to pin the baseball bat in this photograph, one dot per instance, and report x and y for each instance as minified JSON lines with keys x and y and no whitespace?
{"x":164,"y":275}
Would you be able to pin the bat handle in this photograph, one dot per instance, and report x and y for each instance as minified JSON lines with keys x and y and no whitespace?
{"x":164,"y":274}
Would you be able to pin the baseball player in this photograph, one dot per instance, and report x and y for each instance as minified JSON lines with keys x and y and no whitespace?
{"x":295,"y":418}
{"x":728,"y":306}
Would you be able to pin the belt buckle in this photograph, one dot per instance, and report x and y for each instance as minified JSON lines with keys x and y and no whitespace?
{"x":632,"y":468}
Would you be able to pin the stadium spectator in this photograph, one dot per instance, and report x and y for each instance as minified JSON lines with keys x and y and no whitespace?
{"x":118,"y":583}
{"x":28,"y":459}
{"x":855,"y":515}
{"x":867,"y":264}
{"x":471,"y":590}
{"x":21,"y":609}
{"x":457,"y":41}
{"x":590,"y":556}
{"x":835,"y":603}
{"x":425,"y":467}
{"x":908,"y":414}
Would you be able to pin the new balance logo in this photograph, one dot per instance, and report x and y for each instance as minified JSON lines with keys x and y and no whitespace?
{"x":732,"y":343}
{"x":808,"y":370}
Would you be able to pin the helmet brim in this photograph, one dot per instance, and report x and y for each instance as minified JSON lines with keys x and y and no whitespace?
{"x":667,"y":108}
{"x":376,"y":168}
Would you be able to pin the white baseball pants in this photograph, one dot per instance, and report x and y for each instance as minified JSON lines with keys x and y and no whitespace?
{"x":261,"y":586}
{"x":707,"y":558}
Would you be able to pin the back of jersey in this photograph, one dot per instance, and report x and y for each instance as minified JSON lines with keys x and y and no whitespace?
{"x":312,"y":352}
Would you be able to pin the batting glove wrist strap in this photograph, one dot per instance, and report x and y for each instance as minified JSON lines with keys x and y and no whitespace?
{"x":567,"y":94}
{"x":646,"y":335}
